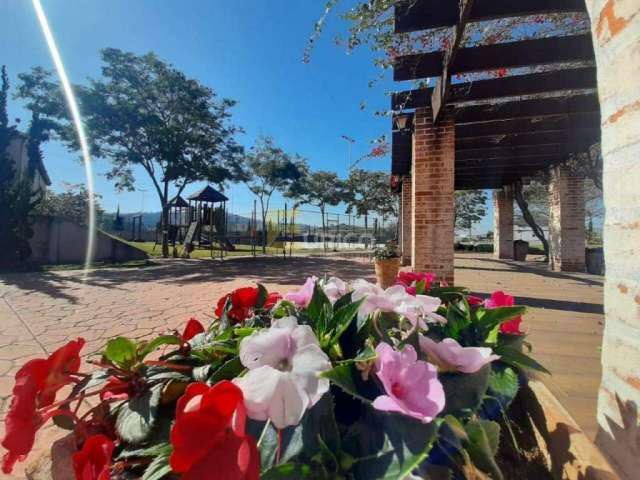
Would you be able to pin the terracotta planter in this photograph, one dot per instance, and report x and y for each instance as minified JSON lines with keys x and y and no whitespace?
{"x":387,"y":271}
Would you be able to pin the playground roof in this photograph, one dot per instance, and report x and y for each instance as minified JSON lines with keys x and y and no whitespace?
{"x":508,"y":127}
{"x":208,"y":194}
{"x":179,"y":202}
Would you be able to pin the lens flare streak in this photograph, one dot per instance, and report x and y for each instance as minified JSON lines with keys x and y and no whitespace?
{"x":77,"y":121}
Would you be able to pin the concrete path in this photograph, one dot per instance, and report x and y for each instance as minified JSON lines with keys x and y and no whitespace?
{"x":41,"y":311}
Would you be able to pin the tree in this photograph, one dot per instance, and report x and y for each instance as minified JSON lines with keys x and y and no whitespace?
{"x":265,"y":169}
{"x":367,"y":193}
{"x":470,"y":208}
{"x":144,"y":112}
{"x":73,"y":204}
{"x":17,"y":199}
{"x":533,"y":201}
{"x":321,"y":189}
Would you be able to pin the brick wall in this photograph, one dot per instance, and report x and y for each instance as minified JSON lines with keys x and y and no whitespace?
{"x":405,"y":232}
{"x":566,"y":220}
{"x":503,"y":223}
{"x":432,"y":194}
{"x":615,"y":26}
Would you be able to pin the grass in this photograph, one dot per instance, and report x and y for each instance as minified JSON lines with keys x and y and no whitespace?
{"x":153,"y":250}
{"x":27,"y":268}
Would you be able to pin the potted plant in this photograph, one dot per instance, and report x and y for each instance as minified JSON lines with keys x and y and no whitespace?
{"x":387,"y":264}
{"x":336,"y":380}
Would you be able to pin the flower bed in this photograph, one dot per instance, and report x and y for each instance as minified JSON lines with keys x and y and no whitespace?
{"x":333,"y":381}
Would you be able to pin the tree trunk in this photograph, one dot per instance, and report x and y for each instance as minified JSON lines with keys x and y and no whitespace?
{"x":264,"y":228}
{"x":366,"y":231}
{"x":528,"y":217}
{"x":165,"y":221}
{"x":324,"y":230}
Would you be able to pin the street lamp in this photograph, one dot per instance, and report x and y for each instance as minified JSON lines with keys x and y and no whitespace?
{"x":350,"y":141}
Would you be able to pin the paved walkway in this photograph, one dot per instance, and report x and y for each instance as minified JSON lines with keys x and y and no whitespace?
{"x":41,"y":311}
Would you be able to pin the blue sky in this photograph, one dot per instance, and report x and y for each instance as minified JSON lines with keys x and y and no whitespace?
{"x":247,"y":50}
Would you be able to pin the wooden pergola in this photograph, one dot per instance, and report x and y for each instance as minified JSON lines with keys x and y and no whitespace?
{"x":506,"y":128}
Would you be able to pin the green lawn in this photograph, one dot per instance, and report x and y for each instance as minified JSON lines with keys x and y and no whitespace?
{"x":241,"y":250}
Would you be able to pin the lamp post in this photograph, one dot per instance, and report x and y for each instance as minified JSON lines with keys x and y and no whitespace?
{"x":350,"y":141}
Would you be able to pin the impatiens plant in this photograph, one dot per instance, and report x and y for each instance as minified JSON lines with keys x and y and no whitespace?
{"x":336,"y":380}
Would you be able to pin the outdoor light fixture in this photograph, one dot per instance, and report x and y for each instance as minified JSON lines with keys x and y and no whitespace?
{"x":403,"y":121}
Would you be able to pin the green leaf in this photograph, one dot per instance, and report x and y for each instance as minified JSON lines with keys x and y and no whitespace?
{"x":518,"y":359}
{"x":464,"y":391}
{"x":318,"y":309}
{"x":489,"y":319}
{"x":136,"y":417}
{"x":157,"y":342}
{"x":457,"y":320}
{"x":152,"y":451}
{"x":262,"y":296}
{"x":484,"y":439}
{"x":503,"y":384}
{"x":343,"y":317}
{"x":228,"y":371}
{"x":158,"y":469}
{"x":121,"y":351}
{"x":407,"y":444}
{"x":201,"y":373}
{"x":348,"y":378}
{"x":287,"y":471}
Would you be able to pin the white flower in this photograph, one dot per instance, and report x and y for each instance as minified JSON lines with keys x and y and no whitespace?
{"x":284,"y":364}
{"x":334,"y":288}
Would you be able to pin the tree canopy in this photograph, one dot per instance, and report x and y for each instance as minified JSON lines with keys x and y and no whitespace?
{"x":470,"y":208}
{"x":265,"y":169}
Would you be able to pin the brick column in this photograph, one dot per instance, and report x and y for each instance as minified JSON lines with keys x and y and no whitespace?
{"x":615,"y":26}
{"x":432,"y":194}
{"x":566,"y":221}
{"x":405,"y":215}
{"x":503,"y":223}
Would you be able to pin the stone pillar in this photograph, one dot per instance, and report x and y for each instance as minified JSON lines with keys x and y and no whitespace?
{"x":503,"y":223}
{"x":432,"y":194}
{"x":405,"y":232}
{"x":615,"y":25}
{"x":566,"y":221}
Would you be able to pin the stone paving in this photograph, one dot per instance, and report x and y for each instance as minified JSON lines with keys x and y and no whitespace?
{"x":41,"y":311}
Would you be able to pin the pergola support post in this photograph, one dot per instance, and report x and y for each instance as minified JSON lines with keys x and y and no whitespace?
{"x":615,"y":26}
{"x":405,"y":219}
{"x":432,"y":213}
{"x":503,"y":223}
{"x":566,"y":220}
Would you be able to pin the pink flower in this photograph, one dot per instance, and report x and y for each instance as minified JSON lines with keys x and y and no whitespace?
{"x":501,"y":299}
{"x":302,"y":297}
{"x":334,"y":288}
{"x":411,"y":385}
{"x":450,"y":355}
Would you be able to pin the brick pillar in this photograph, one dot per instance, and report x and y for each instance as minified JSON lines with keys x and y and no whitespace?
{"x":503,"y":223}
{"x":405,"y":231}
{"x":615,"y":25}
{"x":566,"y":221}
{"x":432,"y":194}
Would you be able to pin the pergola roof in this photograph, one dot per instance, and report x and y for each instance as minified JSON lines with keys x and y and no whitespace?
{"x":178,"y":202}
{"x":508,"y":127}
{"x":208,"y":194}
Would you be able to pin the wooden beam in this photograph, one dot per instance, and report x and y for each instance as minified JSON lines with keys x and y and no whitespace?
{"x":413,"y":15}
{"x":524,"y":53}
{"x":584,"y":136}
{"x":520,"y":151}
{"x":529,"y":125}
{"x":443,"y":84}
{"x":531,"y":84}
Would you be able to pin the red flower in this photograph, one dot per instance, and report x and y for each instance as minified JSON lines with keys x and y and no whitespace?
{"x":116,"y":389}
{"x":501,"y":299}
{"x":193,"y":328}
{"x":474,"y":301}
{"x":93,"y":462}
{"x":410,"y":279}
{"x":37,"y":383}
{"x":243,"y":301}
{"x":208,"y":435}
